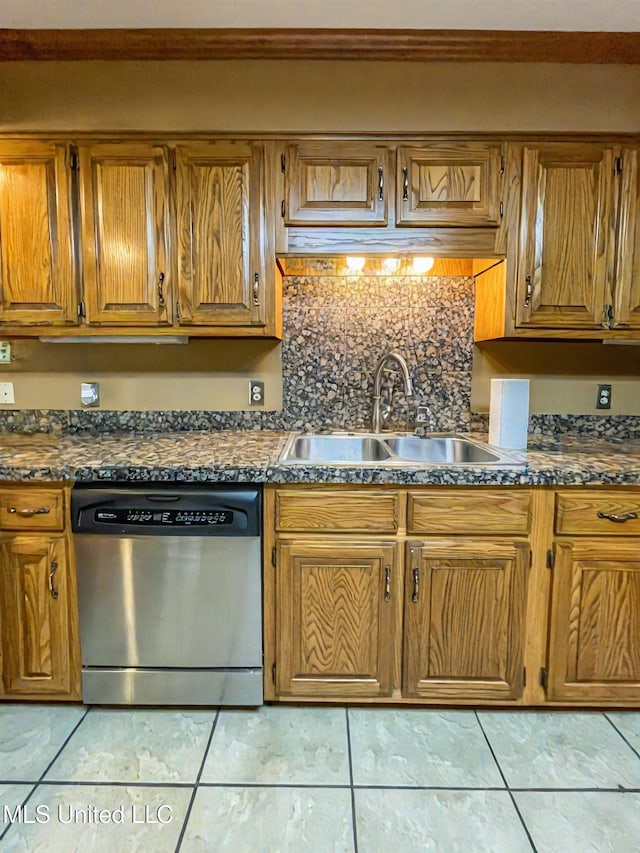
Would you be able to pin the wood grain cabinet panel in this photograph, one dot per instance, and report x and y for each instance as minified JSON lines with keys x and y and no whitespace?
{"x":464,"y":629}
{"x":566,"y":251}
{"x":335,"y":618}
{"x":123,"y":204}
{"x":443,"y":512}
{"x":36,"y":635}
{"x":221,"y":241}
{"x":626,"y":304}
{"x":453,"y":184}
{"x":37,"y":263}
{"x":24,"y":508}
{"x":336,"y":183}
{"x":593,"y":513}
{"x":357,"y":511}
{"x":594,"y":640}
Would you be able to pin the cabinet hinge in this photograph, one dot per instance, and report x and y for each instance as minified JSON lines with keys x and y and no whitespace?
{"x":607,"y":316}
{"x":273,"y":556}
{"x":178,"y":311}
{"x":282,"y":208}
{"x":502,"y":165}
{"x":501,"y":210}
{"x":617,"y":169}
{"x":524,"y":676}
{"x":551,"y":558}
{"x":75,"y":165}
{"x":283,"y":162}
{"x":81,"y":311}
{"x":544,"y":677}
{"x":273,"y":674}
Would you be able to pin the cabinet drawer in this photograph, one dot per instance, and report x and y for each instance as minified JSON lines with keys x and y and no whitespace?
{"x":31,"y":509}
{"x":338,"y":511}
{"x":469,"y":511}
{"x":598,"y":513}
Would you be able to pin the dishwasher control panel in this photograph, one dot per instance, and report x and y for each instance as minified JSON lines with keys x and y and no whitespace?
{"x":162,"y":518}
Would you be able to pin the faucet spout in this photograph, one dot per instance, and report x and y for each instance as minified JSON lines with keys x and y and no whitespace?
{"x":376,"y":418}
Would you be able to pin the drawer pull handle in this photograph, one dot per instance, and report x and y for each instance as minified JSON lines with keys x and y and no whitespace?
{"x":626,"y":516}
{"x":416,"y":577}
{"x":52,"y":589}
{"x":380,"y":183}
{"x":29,"y":513}
{"x":527,"y":299}
{"x":405,"y":184}
{"x":387,"y":583}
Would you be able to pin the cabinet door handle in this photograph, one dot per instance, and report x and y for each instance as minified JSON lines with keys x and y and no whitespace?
{"x":387,"y":583}
{"x":161,"y":299}
{"x":527,"y":299}
{"x":29,"y":513}
{"x":380,"y":183}
{"x":416,"y":590}
{"x":256,"y":289}
{"x":405,"y":184}
{"x":53,"y":570}
{"x":625,"y":516}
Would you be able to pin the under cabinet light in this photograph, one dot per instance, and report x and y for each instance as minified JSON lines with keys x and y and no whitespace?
{"x":391,"y":264}
{"x":355,"y":263}
{"x":422,"y":265}
{"x":117,"y":339}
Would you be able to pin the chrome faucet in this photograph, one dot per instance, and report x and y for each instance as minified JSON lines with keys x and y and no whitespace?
{"x":376,"y":418}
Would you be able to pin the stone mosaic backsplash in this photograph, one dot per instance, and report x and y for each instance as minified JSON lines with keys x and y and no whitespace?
{"x":335,"y":330}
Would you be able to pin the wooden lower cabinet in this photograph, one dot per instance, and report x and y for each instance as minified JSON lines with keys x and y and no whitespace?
{"x":464,"y":626}
{"x":594,"y":639}
{"x":335,"y":618}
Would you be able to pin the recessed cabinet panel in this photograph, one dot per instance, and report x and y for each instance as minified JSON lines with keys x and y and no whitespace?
{"x":626,"y":307}
{"x":335,"y":618}
{"x":123,"y":205}
{"x":464,"y":619}
{"x":456,"y":184}
{"x":37,"y":268}
{"x":565,"y":271}
{"x":220,"y":209}
{"x":336,"y":184}
{"x":594,"y":647}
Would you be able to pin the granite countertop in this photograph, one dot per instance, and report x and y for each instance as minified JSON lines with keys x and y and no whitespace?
{"x":252,"y":456}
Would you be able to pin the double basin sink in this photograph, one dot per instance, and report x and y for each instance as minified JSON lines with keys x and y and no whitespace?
{"x":391,"y":449}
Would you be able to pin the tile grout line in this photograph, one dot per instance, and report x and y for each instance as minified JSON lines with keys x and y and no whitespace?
{"x":506,"y":784}
{"x":352,"y":790}
{"x":48,"y":767}
{"x":197,"y":782}
{"x":628,"y":743}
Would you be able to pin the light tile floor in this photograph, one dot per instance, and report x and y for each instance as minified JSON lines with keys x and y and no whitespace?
{"x":281,"y":779}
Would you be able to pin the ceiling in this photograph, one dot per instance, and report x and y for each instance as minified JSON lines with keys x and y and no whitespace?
{"x":554,"y":15}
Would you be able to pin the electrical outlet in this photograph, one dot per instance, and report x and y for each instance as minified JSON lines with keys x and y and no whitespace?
{"x":422,"y":415}
{"x":6,"y":392}
{"x":5,"y":352}
{"x":256,"y":392}
{"x":603,"y":400}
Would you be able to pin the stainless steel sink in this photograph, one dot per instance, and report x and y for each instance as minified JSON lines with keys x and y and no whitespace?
{"x":336,"y":448}
{"x":391,"y":450}
{"x":456,"y":451}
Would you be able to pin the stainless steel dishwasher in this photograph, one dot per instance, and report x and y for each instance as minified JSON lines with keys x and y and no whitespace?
{"x":169,"y":593}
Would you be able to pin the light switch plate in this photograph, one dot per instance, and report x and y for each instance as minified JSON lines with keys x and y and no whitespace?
{"x":5,"y":352}
{"x":6,"y":393}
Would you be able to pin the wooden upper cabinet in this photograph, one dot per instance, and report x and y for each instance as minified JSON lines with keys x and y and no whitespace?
{"x":221,"y":240}
{"x":465,"y":619}
{"x":37,"y":266}
{"x":336,"y":183}
{"x":449,"y":184}
{"x":566,"y":249}
{"x":626,"y":303}
{"x":335,"y":618}
{"x":36,"y":638}
{"x":123,"y":205}
{"x":594,"y":642}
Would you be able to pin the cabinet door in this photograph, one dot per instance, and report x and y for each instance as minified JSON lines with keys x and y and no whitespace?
{"x":336,"y":183}
{"x":464,"y":619}
{"x":454,"y":184}
{"x":221,"y":266}
{"x":37,"y":267}
{"x":566,"y":248}
{"x":594,"y":637}
{"x":335,"y":619}
{"x":626,"y":303}
{"x":123,"y":200}
{"x":35,"y":615}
